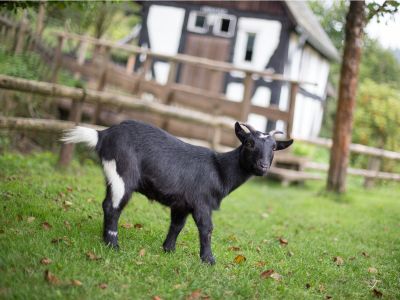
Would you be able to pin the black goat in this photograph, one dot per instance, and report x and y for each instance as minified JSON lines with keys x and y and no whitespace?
{"x":138,"y":157}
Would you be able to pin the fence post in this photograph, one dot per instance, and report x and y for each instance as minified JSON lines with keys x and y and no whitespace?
{"x":57,"y":59}
{"x":40,"y":19}
{"x":39,"y":25}
{"x":146,"y":66}
{"x":130,"y":64}
{"x":67,"y":150}
{"x":216,"y":138}
{"x":80,"y":59}
{"x":294,"y":86}
{"x":20,"y":37}
{"x":247,"y":92}
{"x":374,"y":164}
{"x":166,"y":98}
{"x":105,"y":57}
{"x":12,"y":32}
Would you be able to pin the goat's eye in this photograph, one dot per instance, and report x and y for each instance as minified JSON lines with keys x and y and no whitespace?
{"x":249,"y":144}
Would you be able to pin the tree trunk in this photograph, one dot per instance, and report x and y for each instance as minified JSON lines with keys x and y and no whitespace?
{"x":340,"y":151}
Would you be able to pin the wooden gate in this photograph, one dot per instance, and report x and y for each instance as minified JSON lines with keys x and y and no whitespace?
{"x":209,"y":47}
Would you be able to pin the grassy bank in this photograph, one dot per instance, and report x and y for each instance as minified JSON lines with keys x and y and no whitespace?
{"x":336,"y":247}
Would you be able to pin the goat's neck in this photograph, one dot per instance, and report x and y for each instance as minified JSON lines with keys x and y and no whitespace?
{"x":232,"y":173}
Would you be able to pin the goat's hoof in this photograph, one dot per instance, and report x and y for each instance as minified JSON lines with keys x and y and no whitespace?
{"x":208,"y":259}
{"x":168,"y":248}
{"x":112,"y":244}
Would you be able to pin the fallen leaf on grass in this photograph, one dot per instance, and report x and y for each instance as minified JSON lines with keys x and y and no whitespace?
{"x":127,"y":225}
{"x":46,"y":226}
{"x":92,"y":256}
{"x":30,"y":219}
{"x":276,"y":276}
{"x":372,"y":270}
{"x":234,"y":248}
{"x":61,"y":239}
{"x":196,"y":294}
{"x":46,"y":261}
{"x":142,"y":252}
{"x":264,"y":215}
{"x":290,"y":253}
{"x":69,"y":189}
{"x":138,"y":226}
{"x":377,"y":293}
{"x":76,"y":282}
{"x":365,"y":254}
{"x":157,"y":298}
{"x":239,"y":259}
{"x":103,"y":286}
{"x":327,"y":297}
{"x":283,"y":241}
{"x":321,"y":288}
{"x":260,"y":264}
{"x":271,"y":274}
{"x":51,"y":278}
{"x":338,"y":260}
{"x":267,"y":274}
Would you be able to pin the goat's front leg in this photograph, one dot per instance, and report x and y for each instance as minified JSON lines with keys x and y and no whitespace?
{"x":178,"y":220}
{"x":202,"y":217}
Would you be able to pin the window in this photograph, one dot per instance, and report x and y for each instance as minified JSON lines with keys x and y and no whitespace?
{"x":198,"y":22}
{"x":225,"y":25}
{"x":248,"y":56}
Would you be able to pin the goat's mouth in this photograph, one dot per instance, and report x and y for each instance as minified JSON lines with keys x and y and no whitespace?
{"x":262,"y":168}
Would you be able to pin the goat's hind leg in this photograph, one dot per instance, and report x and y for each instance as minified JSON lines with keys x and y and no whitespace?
{"x":119,"y":191}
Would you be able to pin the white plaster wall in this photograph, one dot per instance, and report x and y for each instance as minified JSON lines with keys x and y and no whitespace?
{"x":164,"y":24}
{"x":267,"y":40}
{"x":305,"y":64}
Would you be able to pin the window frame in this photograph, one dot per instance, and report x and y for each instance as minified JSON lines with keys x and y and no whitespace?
{"x":248,"y":34}
{"x":218,"y":23}
{"x":191,"y":25}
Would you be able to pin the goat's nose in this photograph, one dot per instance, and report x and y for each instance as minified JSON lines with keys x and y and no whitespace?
{"x":263,"y":165}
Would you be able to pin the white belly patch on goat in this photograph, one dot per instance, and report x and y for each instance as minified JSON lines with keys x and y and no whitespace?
{"x":115,"y":181}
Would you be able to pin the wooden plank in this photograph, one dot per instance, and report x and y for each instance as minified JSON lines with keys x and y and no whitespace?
{"x":292,"y":106}
{"x":114,"y":100}
{"x":183,"y":58}
{"x":67,"y":150}
{"x":374,"y":164}
{"x":21,"y":35}
{"x":356,"y":148}
{"x":357,"y":172}
{"x":271,"y":112}
{"x":247,"y":93}
{"x":57,"y":60}
{"x":105,"y":58}
{"x":47,"y":125}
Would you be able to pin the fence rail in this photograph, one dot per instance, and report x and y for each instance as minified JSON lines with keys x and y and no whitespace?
{"x":135,"y":79}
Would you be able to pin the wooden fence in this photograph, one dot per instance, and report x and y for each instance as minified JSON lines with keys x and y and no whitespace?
{"x":138,"y":80}
{"x":169,"y":109}
{"x":81,"y":96}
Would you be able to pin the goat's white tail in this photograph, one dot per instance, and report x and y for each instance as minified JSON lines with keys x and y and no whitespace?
{"x":81,"y":134}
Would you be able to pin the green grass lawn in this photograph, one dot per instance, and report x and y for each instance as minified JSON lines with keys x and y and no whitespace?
{"x":362,"y":228}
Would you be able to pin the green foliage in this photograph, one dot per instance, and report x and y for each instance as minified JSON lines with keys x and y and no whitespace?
{"x":379,"y":79}
{"x":94,"y":17}
{"x":332,"y":17}
{"x":253,"y":218}
{"x":377,"y":116}
{"x":21,"y":65}
{"x":379,"y":64}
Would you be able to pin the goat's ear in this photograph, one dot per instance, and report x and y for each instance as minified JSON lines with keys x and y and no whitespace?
{"x":240,"y":133}
{"x":280,"y":145}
